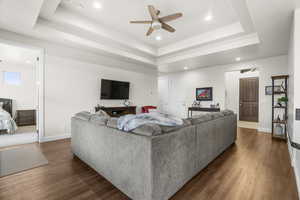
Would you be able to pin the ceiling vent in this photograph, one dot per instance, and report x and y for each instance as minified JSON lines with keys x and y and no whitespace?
{"x":247,"y":70}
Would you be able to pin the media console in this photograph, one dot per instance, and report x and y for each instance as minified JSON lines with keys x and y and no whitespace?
{"x":201,"y":109}
{"x":118,"y":111}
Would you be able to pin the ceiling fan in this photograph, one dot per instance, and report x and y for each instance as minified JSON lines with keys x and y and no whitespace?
{"x":158,"y":22}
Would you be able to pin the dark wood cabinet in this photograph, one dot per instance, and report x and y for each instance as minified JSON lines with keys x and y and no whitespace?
{"x":26,"y":117}
{"x":118,"y":111}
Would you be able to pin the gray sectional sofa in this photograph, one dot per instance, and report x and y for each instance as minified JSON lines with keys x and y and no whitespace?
{"x":152,"y":162}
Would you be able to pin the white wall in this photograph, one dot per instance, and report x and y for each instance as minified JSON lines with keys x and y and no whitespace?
{"x":180,"y":90}
{"x":23,"y":95}
{"x":72,"y":86}
{"x":294,"y":92}
{"x":72,"y":81}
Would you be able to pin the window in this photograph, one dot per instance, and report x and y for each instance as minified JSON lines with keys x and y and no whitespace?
{"x":12,"y":78}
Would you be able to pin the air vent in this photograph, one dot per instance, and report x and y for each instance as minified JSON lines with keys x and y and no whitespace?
{"x":248,"y":70}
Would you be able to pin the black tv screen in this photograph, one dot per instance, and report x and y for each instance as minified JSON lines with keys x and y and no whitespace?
{"x":114,"y":89}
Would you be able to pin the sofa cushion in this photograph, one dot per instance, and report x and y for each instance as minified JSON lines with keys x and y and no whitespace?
{"x":148,"y":130}
{"x":168,"y":129}
{"x":201,"y":118}
{"x":227,"y":112}
{"x":84,"y":115}
{"x":99,"y":119}
{"x":216,"y":115}
{"x":112,"y":122}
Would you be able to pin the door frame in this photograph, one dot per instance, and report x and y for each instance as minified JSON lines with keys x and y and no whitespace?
{"x":40,"y":84}
{"x":239,"y":107}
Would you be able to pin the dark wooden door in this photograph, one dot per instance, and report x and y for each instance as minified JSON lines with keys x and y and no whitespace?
{"x":249,"y":91}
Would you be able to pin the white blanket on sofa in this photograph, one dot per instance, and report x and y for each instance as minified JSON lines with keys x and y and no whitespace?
{"x":130,"y":122}
{"x":6,"y":122}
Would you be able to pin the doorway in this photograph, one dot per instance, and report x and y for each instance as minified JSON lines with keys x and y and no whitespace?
{"x":248,"y":106}
{"x":242,"y":96}
{"x":21,"y":97}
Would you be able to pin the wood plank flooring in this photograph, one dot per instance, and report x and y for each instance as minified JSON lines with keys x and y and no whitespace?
{"x":256,"y":168}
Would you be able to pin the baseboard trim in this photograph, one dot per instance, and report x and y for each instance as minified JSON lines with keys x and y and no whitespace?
{"x":296,"y":170}
{"x":265,"y":130}
{"x":55,"y":137}
{"x":291,"y":153}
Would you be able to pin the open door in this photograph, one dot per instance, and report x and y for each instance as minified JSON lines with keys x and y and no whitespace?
{"x":249,"y":92}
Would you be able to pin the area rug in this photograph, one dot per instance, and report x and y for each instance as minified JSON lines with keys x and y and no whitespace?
{"x":20,"y":159}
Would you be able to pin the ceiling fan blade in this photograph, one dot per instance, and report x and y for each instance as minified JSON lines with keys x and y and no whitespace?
{"x":170,"y":17}
{"x":168,"y":27}
{"x":153,"y":13}
{"x":150,"y":31}
{"x":140,"y":22}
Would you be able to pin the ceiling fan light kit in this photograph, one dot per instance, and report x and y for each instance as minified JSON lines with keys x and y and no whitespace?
{"x":156,"y":25}
{"x":158,"y":22}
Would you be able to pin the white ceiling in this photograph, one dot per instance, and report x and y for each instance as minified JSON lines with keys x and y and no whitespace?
{"x":17,"y":55}
{"x":29,"y":12}
{"x":248,"y":29}
{"x":117,"y":14}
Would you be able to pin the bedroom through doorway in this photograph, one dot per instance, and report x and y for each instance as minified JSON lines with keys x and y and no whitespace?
{"x":19,"y":94}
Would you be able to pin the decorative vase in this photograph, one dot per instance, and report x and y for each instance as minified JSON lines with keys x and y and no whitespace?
{"x":126,"y":103}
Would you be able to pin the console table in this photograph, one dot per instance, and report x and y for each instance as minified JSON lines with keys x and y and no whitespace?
{"x":118,"y":111}
{"x":202,"y":109}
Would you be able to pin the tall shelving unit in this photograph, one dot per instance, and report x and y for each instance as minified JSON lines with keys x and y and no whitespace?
{"x":277,"y":108}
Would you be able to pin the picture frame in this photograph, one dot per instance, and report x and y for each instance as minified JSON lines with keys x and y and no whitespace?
{"x":204,"y":94}
{"x":268,"y":89}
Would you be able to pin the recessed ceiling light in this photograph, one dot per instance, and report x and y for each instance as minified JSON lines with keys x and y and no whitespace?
{"x":238,"y":59}
{"x":208,"y":17}
{"x":158,"y":38}
{"x":97,"y":5}
{"x":28,"y":61}
{"x":185,"y":68}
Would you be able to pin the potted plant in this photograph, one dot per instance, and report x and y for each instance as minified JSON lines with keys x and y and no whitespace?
{"x":282,"y":101}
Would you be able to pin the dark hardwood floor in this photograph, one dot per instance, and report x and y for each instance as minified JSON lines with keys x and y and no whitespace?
{"x":256,"y":168}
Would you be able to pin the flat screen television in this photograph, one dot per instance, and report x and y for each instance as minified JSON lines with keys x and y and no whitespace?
{"x":204,"y":94}
{"x":111,"y":89}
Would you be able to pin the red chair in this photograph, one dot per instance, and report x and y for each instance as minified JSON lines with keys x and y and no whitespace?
{"x":145,"y":109}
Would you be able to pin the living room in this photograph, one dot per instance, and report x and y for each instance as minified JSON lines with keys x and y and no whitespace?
{"x":161,"y":56}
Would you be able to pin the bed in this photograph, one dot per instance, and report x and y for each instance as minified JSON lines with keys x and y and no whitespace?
{"x":7,"y":123}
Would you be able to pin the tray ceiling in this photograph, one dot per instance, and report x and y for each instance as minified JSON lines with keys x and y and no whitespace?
{"x":238,"y":28}
{"x":117,"y":14}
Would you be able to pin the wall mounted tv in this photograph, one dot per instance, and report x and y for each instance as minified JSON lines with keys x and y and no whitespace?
{"x":204,"y":94}
{"x":114,"y":89}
